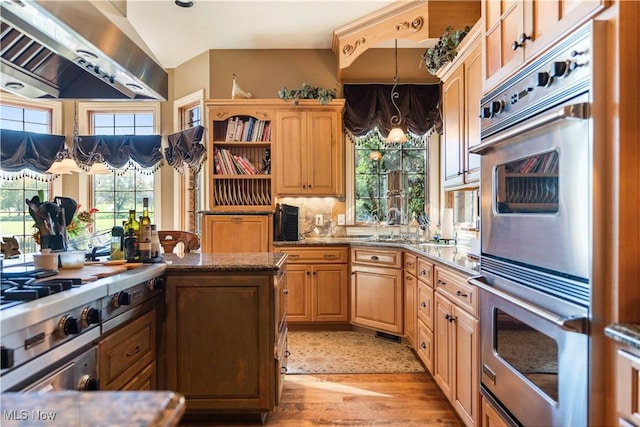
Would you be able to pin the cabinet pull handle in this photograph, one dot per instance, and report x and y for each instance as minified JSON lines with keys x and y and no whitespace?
{"x":287,"y":353}
{"x":293,"y":256}
{"x":423,"y":272}
{"x":441,"y":282}
{"x":460,"y":294}
{"x":374,"y":258}
{"x":134,"y":352}
{"x":423,"y":304}
{"x":330,"y":256}
{"x":520,"y":42}
{"x":236,"y":219}
{"x":409,"y":264}
{"x":283,"y":370}
{"x":449,"y":317}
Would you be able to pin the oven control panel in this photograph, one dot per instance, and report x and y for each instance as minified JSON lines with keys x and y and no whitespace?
{"x":560,"y":74}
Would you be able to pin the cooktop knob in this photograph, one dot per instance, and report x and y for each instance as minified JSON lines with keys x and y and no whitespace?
{"x":496,"y":107}
{"x":544,"y":79}
{"x":68,"y":325}
{"x":121,"y":298}
{"x":89,"y":316}
{"x":485,"y":113}
{"x":559,"y":69}
{"x":6,"y":357}
{"x":156,"y":283}
{"x":88,"y":383}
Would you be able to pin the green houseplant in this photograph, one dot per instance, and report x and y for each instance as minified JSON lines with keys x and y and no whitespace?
{"x":445,"y":49}
{"x":324,"y":96}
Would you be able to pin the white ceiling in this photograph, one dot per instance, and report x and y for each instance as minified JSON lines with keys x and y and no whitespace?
{"x":175,"y":35}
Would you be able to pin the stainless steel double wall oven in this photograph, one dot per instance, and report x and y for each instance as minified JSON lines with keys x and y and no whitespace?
{"x":538,"y":136}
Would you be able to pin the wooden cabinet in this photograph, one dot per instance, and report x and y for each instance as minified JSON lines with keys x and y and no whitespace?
{"x":410,"y":295}
{"x":490,"y":417}
{"x":225,"y":345}
{"x":309,"y":158}
{"x":628,"y":388}
{"x":516,"y":31}
{"x":240,"y":135}
{"x":236,"y":233}
{"x":456,"y":330}
{"x":461,"y":93}
{"x":127,"y":356}
{"x":317,"y":284}
{"x":425,"y":307}
{"x":376,"y":289}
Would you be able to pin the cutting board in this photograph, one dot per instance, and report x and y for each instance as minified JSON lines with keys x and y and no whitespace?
{"x":89,"y":273}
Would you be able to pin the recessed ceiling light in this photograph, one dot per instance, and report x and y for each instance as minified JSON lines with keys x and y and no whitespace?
{"x":14,"y":85}
{"x":184,"y":3}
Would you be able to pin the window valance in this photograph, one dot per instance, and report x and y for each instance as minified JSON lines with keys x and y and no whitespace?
{"x":368,"y":106}
{"x":28,"y":151}
{"x":120,"y":151}
{"x":185,"y":148}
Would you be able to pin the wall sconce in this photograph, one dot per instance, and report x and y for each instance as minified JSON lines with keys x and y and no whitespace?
{"x":396,"y":135}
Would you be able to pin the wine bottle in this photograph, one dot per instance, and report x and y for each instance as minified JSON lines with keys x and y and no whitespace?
{"x":145,"y":220}
{"x":133,"y":224}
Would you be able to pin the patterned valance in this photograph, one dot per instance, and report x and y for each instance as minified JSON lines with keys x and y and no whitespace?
{"x":185,"y":148}
{"x":369,"y":106}
{"x":120,"y":151}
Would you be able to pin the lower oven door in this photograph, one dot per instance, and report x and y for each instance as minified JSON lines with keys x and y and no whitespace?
{"x":534,"y":362}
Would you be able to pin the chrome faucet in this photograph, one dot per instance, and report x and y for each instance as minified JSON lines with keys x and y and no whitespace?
{"x":394,"y":220}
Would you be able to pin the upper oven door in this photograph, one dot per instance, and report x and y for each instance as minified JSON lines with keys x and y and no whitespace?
{"x":535,"y":190}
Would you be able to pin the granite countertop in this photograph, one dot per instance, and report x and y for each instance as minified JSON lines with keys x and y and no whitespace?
{"x":625,"y":333}
{"x":225,"y":262}
{"x":96,"y":408}
{"x":452,"y":256}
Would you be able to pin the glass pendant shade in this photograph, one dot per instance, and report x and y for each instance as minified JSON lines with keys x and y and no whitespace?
{"x":98,"y":168}
{"x":66,"y":166}
{"x":396,"y":135}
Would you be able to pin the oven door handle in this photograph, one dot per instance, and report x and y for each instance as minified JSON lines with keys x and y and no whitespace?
{"x":578,"y":324}
{"x":578,"y":111}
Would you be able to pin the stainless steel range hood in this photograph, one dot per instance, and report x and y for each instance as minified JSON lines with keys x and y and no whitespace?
{"x":71,"y":50}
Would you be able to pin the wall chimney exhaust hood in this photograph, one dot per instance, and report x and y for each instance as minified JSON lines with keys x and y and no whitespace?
{"x":71,"y":50}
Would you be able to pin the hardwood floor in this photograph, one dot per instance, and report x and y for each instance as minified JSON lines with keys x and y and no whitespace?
{"x":393,"y":400}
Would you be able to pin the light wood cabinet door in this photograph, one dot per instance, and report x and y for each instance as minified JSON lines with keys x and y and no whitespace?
{"x":329,"y":291}
{"x":490,"y":417}
{"x":628,"y":388}
{"x":424,"y":346}
{"x":310,"y":151}
{"x":299,"y":293}
{"x":453,"y":111}
{"x":410,"y":307}
{"x":236,"y":233}
{"x":466,"y":392}
{"x":376,"y":298}
{"x":444,"y":345}
{"x":515,"y":31}
{"x":473,"y":93}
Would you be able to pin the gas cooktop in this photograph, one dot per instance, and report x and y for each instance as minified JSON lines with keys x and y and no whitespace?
{"x":15,"y":290}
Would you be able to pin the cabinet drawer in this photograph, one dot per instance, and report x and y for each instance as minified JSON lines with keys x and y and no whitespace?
{"x":628,"y":385}
{"x":144,"y":381}
{"x":425,"y":345}
{"x":425,"y":271}
{"x":124,"y":353}
{"x":387,"y":258}
{"x":425,"y":304}
{"x":410,"y":263}
{"x":326,"y":254}
{"x":282,"y":356}
{"x":457,"y":289}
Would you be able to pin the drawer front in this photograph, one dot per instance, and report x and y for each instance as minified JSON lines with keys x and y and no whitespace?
{"x":628,"y":385}
{"x":425,"y":346}
{"x":425,"y":304}
{"x":387,"y":258}
{"x":425,"y":271}
{"x":410,"y":263}
{"x":123,"y":354}
{"x":325,"y":254}
{"x":457,"y":289}
{"x":282,"y":356}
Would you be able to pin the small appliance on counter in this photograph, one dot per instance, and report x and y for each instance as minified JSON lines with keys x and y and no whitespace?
{"x":285,"y":223}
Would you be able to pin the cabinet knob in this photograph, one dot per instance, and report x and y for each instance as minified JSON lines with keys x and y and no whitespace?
{"x":374,"y":258}
{"x":423,"y":346}
{"x":423,"y":304}
{"x":460,"y":294}
{"x":441,"y":282}
{"x":520,"y":42}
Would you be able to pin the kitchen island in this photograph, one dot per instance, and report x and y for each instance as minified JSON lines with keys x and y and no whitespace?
{"x":97,"y":409}
{"x":225,"y":333}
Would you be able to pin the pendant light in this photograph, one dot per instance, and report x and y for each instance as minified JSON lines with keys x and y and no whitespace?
{"x":396,"y":135}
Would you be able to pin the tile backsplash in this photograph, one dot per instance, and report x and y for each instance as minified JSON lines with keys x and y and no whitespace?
{"x":328,"y":207}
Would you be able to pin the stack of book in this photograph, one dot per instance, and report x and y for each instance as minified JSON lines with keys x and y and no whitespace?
{"x":250,"y":129}
{"x":227,"y":163}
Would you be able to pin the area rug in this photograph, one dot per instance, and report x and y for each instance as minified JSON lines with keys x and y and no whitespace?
{"x":347,"y":352}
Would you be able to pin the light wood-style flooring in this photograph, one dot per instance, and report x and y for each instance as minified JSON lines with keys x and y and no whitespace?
{"x":391,"y":400}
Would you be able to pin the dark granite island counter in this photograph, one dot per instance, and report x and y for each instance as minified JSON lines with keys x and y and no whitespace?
{"x":225,"y":333}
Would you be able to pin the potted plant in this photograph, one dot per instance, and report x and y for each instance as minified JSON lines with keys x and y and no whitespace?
{"x":445,"y":49}
{"x":307,"y":92}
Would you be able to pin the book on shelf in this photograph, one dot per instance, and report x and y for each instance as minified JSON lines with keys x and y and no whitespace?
{"x":227,"y":163}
